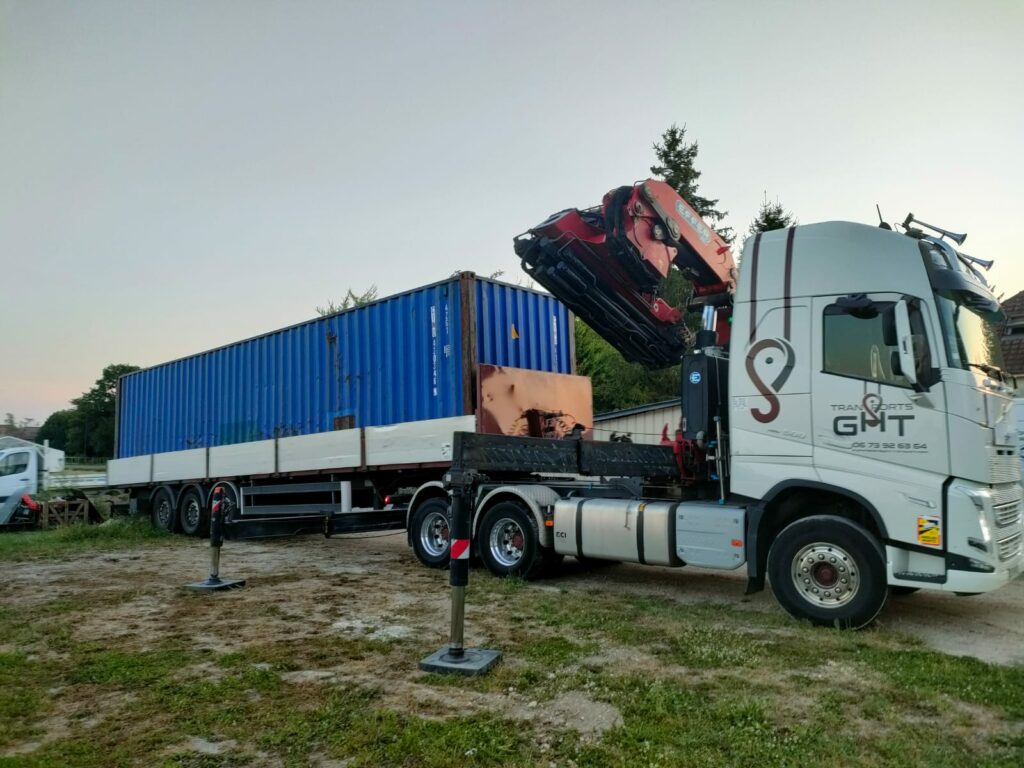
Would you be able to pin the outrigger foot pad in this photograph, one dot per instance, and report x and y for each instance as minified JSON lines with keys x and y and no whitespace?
{"x":470,"y":662}
{"x":215,"y":584}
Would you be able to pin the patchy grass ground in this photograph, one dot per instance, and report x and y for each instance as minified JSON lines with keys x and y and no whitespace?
{"x":118,"y":532}
{"x":105,"y":661}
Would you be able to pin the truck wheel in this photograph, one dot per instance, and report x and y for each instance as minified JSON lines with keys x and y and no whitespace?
{"x":829,"y":570}
{"x":508,"y":541}
{"x":193,"y":519}
{"x":162,"y":510}
{"x":431,"y":528}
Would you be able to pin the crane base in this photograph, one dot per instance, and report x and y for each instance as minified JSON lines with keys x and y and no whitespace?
{"x":214,"y":584}
{"x":472,"y":662}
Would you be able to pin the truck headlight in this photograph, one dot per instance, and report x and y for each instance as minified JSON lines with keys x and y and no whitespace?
{"x":986,"y":534}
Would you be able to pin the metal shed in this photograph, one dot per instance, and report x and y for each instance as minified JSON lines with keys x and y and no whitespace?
{"x":642,"y":423}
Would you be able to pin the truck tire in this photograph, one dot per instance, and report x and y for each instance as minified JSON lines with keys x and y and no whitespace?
{"x":828,"y":570}
{"x":430,"y":530}
{"x":161,"y":510}
{"x":508,"y":542}
{"x":193,"y":517}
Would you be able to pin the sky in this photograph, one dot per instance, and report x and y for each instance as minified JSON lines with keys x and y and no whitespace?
{"x":178,"y":175}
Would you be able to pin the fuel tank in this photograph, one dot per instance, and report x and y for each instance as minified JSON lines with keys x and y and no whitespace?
{"x":631,"y":530}
{"x":671,"y":533}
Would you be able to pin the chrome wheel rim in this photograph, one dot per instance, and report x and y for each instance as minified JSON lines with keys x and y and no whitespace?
{"x":507,"y":542}
{"x":434,"y":534}
{"x":192,"y":514}
{"x":825,"y":575}
{"x":163,"y":513}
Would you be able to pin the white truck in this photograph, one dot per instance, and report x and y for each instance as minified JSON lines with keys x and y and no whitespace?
{"x":27,"y":468}
{"x":847,"y":430}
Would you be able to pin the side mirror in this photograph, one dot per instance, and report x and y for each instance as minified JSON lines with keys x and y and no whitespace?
{"x":905,"y":343}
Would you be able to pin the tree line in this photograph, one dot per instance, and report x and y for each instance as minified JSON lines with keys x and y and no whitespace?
{"x":86,"y":429}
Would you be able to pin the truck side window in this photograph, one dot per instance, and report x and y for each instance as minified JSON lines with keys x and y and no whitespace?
{"x":855,"y":344}
{"x":14,"y":463}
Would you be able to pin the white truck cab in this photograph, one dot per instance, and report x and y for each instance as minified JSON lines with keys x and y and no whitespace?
{"x":864,"y":367}
{"x":18,"y":472}
{"x":27,"y":468}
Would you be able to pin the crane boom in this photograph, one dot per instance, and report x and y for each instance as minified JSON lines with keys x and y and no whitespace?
{"x":609,"y":265}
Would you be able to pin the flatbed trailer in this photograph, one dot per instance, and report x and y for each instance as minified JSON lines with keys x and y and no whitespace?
{"x":334,"y":424}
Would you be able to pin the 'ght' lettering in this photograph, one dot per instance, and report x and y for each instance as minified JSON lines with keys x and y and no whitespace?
{"x":854,"y":425}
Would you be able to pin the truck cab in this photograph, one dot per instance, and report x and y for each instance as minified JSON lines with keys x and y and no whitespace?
{"x":865,"y":374}
{"x":19,"y":472}
{"x":27,"y":468}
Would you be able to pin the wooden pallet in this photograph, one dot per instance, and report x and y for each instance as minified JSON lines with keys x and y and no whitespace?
{"x":62,"y":512}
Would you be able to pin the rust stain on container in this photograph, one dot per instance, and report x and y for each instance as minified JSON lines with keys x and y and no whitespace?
{"x":517,"y":401}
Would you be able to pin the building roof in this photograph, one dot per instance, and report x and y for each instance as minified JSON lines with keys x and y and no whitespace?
{"x":1013,"y":344}
{"x":25,"y":433}
{"x":674,"y":403}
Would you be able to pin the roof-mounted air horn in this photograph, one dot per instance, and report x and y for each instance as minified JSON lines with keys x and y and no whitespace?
{"x":954,"y":236}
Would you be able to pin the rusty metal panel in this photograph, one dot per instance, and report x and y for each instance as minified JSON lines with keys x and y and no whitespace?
{"x":525,"y":403}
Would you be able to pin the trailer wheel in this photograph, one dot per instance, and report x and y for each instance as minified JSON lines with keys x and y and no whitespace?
{"x":161,"y":510}
{"x":193,"y":518}
{"x":508,"y":541}
{"x":829,"y":570}
{"x":431,"y":530}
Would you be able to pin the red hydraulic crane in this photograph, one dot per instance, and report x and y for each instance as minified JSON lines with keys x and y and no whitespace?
{"x":608,"y":265}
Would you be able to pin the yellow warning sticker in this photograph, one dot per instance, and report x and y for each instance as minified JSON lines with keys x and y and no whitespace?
{"x":929,"y":531}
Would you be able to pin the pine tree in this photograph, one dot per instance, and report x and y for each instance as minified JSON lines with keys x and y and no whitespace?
{"x":675,"y":166}
{"x":350,"y":300}
{"x":771,"y":216}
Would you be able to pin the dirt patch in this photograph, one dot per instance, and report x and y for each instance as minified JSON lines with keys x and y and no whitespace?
{"x":579,"y":712}
{"x":375,"y":588}
{"x":358,"y":613}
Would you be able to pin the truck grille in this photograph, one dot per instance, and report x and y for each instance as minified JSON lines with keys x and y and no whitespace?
{"x":1004,"y":466}
{"x":1006,"y":504}
{"x":1009,"y":547}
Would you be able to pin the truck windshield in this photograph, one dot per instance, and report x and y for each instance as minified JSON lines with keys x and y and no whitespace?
{"x":970,"y":335}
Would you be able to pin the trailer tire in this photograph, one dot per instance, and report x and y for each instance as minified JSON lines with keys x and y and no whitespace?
{"x":828,"y":570}
{"x":430,"y":532}
{"x":193,"y":517}
{"x":161,"y":510}
{"x":508,"y":541}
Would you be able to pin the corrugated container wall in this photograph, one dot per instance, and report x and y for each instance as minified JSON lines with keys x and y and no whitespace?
{"x":407,"y":357}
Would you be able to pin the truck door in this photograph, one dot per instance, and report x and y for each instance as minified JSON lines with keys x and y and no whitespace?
{"x":16,"y":474}
{"x":871,"y":424}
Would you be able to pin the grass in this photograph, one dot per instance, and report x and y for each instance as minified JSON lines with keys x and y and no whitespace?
{"x":694,"y":685}
{"x":59,"y":542}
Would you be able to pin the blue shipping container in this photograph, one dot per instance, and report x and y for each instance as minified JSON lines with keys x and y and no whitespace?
{"x":407,"y":357}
